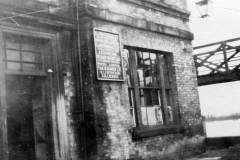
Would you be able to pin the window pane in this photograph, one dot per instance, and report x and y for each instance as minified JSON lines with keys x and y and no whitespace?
{"x":142,"y":99}
{"x":13,"y":55}
{"x":31,"y":57}
{"x":140,"y":69}
{"x":30,"y":67}
{"x":146,"y":58}
{"x":155,"y":97}
{"x":26,"y":50}
{"x":152,"y":115}
{"x":131,"y":101}
{"x":151,"y":97}
{"x":153,"y":57}
{"x":140,"y":77}
{"x":13,"y":66}
{"x":154,"y":67}
{"x":148,"y":76}
{"x":12,"y":44}
{"x":144,"y":115}
{"x":29,"y":47}
{"x":148,"y":98}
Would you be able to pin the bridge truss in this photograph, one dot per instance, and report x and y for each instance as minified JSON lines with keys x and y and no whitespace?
{"x":218,"y":62}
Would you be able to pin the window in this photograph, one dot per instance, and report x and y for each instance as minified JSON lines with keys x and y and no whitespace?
{"x":150,"y":89}
{"x":23,"y":54}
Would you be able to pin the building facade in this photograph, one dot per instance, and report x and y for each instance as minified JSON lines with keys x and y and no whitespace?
{"x":97,"y":79}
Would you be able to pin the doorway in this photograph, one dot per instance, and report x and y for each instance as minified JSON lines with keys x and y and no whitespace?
{"x":26,"y":118}
{"x":33,"y":116}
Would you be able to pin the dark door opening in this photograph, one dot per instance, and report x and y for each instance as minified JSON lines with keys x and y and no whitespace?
{"x":26,"y":118}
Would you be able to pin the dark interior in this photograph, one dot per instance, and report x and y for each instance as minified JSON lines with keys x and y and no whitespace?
{"x":26,"y":129}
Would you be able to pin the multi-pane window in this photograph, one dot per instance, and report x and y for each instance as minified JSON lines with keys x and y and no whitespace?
{"x":149,"y":85}
{"x":23,"y":54}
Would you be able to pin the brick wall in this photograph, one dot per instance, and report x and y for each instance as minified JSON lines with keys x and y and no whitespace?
{"x":108,"y":123}
{"x":114,"y":140}
{"x":140,"y":10}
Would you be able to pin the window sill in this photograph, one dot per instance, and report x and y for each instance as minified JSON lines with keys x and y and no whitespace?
{"x":138,"y":133}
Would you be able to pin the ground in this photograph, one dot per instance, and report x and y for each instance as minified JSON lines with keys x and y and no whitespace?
{"x":231,"y":153}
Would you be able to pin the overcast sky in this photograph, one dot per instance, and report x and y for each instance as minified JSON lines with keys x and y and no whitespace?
{"x":223,"y":23}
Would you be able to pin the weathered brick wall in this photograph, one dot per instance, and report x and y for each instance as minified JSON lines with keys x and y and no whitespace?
{"x":70,"y":103}
{"x":71,"y":98}
{"x":115,"y":141}
{"x":108,"y":122}
{"x":146,"y":12}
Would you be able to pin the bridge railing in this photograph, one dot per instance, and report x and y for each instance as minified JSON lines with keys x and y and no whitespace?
{"x":218,"y":62}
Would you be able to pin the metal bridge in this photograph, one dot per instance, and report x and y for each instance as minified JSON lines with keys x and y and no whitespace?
{"x":218,"y":62}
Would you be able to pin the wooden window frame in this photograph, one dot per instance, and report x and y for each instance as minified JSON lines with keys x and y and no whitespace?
{"x":59,"y":146}
{"x":140,"y":130}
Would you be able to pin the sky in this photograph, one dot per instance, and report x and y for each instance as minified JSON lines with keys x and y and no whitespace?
{"x":222,"y":23}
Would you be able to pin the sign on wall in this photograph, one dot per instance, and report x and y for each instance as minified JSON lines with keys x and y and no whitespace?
{"x":108,"y":56}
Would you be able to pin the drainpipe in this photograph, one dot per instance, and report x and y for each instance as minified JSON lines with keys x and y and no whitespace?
{"x":81,"y":111}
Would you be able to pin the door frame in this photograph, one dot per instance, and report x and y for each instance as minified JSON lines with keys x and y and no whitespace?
{"x":57,"y":113}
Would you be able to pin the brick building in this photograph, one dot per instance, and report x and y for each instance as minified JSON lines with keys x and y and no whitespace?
{"x":97,"y":79}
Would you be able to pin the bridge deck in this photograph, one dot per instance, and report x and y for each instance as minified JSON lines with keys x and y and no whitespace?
{"x":218,"y":62}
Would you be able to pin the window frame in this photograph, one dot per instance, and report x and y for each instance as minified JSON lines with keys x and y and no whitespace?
{"x":21,"y":62}
{"x":168,"y":126}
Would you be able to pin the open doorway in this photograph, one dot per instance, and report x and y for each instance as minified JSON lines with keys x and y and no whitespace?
{"x":26,"y":118}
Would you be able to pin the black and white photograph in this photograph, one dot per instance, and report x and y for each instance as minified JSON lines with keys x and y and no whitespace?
{"x":119,"y":80}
